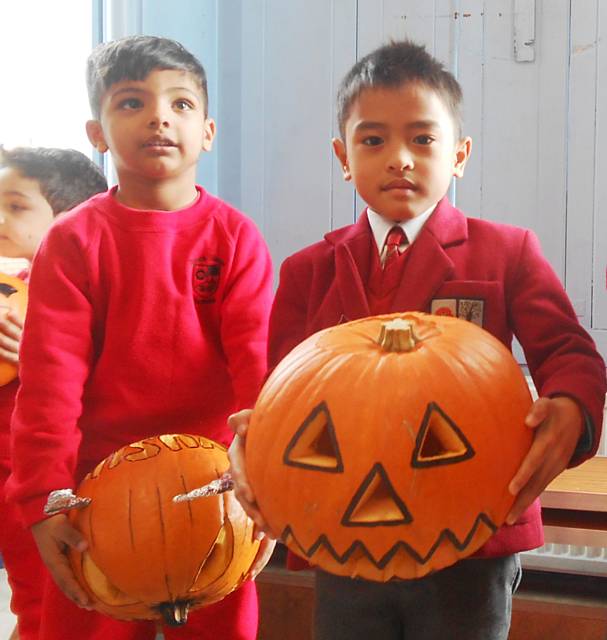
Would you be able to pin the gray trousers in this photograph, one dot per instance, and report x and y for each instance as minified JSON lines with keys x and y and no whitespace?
{"x":471,"y":600}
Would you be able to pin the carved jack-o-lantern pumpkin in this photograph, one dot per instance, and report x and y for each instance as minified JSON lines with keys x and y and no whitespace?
{"x":384,"y":447}
{"x":149,"y":556}
{"x":13,"y":296}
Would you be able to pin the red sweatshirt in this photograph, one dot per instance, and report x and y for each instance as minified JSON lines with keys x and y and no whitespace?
{"x":140,"y":323}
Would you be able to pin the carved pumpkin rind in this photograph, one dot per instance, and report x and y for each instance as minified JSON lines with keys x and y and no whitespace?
{"x":443,"y":420}
{"x":149,"y":556}
{"x":13,"y":296}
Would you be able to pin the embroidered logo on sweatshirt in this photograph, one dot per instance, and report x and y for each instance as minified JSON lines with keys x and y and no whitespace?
{"x":470,"y":309}
{"x":205,"y":278}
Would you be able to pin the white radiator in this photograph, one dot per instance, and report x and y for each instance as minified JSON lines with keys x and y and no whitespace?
{"x":567,"y":557}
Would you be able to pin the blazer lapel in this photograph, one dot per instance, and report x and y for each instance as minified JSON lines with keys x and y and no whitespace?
{"x":351,"y":247}
{"x":428,"y":265}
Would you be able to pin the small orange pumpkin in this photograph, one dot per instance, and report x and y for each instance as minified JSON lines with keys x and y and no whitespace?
{"x":150,"y":557}
{"x":384,"y":447}
{"x":13,"y":296}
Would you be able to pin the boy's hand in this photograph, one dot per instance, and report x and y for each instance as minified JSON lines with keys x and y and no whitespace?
{"x":558,"y":424}
{"x":239,"y":423}
{"x":54,"y":536}
{"x":264,"y":553}
{"x":11,"y":329}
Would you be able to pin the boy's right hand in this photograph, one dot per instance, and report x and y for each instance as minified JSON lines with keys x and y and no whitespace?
{"x":11,"y":329}
{"x":54,"y":536}
{"x":239,"y":423}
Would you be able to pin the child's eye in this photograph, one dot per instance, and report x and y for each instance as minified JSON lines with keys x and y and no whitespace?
{"x":423,"y":139}
{"x":130,"y":103}
{"x":15,"y":208}
{"x":183,"y":105}
{"x":372,"y":141}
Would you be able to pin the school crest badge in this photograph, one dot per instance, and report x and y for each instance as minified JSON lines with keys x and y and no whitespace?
{"x":206,"y":275}
{"x":471,"y":309}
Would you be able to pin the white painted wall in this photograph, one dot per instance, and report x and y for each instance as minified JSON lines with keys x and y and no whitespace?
{"x":535,"y":98}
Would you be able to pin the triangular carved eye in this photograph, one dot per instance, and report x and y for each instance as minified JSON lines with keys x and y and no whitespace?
{"x":439,"y":440}
{"x":376,"y":503}
{"x":314,"y":445}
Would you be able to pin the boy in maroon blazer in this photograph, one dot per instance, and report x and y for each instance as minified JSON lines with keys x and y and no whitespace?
{"x":399,"y":114}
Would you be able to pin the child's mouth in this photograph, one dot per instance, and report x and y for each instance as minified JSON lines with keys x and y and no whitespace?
{"x":399,"y":185}
{"x":158,"y":142}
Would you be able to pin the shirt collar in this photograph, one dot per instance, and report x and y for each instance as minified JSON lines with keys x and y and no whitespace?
{"x":380,"y":226}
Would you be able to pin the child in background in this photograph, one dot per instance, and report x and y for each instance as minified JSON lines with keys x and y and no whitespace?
{"x":148,"y":315}
{"x":36,"y":184}
{"x":399,"y":114}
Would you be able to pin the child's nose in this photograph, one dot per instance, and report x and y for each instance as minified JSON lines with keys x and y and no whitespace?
{"x":401,"y":160}
{"x":158,"y":116}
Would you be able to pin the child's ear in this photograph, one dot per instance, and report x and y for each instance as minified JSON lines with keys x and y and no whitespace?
{"x":95,"y":135}
{"x":209,"y":134}
{"x":462,"y":153}
{"x":339,"y":148}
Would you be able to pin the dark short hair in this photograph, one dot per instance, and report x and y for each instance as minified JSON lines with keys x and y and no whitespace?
{"x":392,"y":66}
{"x":134,"y":58}
{"x":66,"y":177}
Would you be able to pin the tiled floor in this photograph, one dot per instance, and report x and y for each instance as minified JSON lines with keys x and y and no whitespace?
{"x":7,"y":619}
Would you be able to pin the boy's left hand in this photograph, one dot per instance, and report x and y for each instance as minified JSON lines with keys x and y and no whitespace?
{"x":558,"y":424}
{"x":11,"y":329}
{"x":264,"y":553}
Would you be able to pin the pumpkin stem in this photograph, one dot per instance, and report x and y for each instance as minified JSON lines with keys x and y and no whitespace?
{"x":63,"y":500}
{"x":397,"y":335}
{"x":213,"y":488}
{"x":175,"y":614}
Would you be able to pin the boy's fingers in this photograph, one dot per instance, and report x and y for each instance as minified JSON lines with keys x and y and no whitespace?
{"x":244,"y":493}
{"x":266,"y":548}
{"x":9,"y":327}
{"x":538,"y":413}
{"x":9,"y":334}
{"x":53,"y":537}
{"x":15,"y":319}
{"x":64,"y":577}
{"x":236,"y":455}
{"x":239,"y":422}
{"x":73,"y":538}
{"x":9,"y":355}
{"x":529,"y":492}
{"x":522,"y":477}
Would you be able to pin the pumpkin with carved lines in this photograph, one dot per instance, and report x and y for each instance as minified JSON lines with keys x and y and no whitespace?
{"x":13,"y":297}
{"x":384,"y":447}
{"x":150,"y":557}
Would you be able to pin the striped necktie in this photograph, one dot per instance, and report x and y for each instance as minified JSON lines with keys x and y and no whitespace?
{"x":392,"y":248}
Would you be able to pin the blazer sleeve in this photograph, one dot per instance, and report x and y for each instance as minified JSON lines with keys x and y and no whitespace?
{"x":561,"y":355}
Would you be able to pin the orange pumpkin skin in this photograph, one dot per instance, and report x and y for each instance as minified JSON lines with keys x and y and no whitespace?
{"x":385,"y":464}
{"x":152,"y":558}
{"x":13,"y":296}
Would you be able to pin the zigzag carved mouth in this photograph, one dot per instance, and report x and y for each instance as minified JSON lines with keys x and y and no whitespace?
{"x":358,"y":547}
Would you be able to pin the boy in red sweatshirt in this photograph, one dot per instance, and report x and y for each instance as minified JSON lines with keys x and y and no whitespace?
{"x":399,"y":114}
{"x":36,"y":184}
{"x":149,"y":315}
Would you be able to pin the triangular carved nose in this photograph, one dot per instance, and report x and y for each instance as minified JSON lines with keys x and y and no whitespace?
{"x":439,"y":440}
{"x":376,"y":503}
{"x":314,"y":445}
